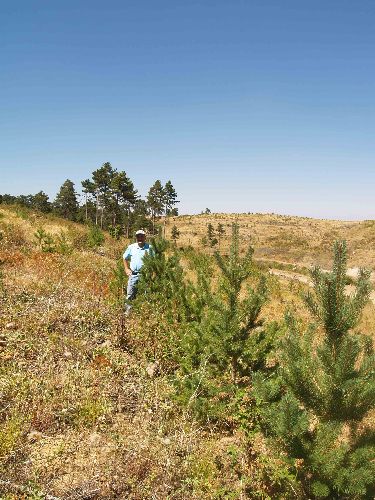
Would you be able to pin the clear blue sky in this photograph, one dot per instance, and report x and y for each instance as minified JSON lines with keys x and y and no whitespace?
{"x":247,"y":106}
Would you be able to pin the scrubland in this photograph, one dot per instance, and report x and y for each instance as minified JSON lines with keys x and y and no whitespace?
{"x":295,"y":240}
{"x":86,"y":408}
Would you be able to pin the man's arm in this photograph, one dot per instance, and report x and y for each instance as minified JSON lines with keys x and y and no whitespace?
{"x":128,"y":271}
{"x":126,"y":258}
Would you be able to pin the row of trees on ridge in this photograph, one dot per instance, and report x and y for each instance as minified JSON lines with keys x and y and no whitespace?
{"x":110,"y":201}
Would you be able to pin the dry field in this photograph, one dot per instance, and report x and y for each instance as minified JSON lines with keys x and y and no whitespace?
{"x":81,"y":416}
{"x":297,"y":240}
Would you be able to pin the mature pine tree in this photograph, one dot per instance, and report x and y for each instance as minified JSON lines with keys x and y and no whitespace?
{"x":25,"y":200}
{"x":114,"y":195}
{"x":156,"y":201}
{"x":103,"y":178}
{"x":139,"y":216}
{"x":170,"y":199}
{"x":88,"y":188}
{"x":66,"y":204}
{"x":317,"y":406}
{"x":124,"y":197}
{"x":40,"y":201}
{"x":8,"y":199}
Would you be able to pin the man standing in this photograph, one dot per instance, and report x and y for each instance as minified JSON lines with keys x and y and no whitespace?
{"x":133,"y":262}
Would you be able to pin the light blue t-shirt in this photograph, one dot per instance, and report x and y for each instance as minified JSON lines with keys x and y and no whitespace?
{"x":136,"y":254}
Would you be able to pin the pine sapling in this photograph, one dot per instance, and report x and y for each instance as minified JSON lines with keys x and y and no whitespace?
{"x":326,"y":389}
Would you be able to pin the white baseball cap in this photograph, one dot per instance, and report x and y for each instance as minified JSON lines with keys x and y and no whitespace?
{"x":140,"y":231}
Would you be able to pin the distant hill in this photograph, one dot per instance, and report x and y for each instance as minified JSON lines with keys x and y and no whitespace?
{"x":301,"y":240}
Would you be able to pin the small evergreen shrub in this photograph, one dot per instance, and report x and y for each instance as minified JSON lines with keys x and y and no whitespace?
{"x":316,"y":406}
{"x":115,"y":231}
{"x":117,"y":285}
{"x":226,"y":341}
{"x":163,"y":298}
{"x":44,"y":241}
{"x":63,"y":245}
{"x":95,"y":237}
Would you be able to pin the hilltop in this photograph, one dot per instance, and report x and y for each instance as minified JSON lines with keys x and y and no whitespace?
{"x":291,"y":239}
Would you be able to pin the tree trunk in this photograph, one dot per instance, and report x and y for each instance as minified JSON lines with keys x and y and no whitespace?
{"x":97,"y":208}
{"x":165,"y":221}
{"x":101,"y":218}
{"x":128,"y":224}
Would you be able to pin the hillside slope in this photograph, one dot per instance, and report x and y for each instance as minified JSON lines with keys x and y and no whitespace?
{"x":300,"y":240}
{"x":83,"y":414}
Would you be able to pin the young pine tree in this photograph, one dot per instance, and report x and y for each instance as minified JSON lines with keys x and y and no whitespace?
{"x":161,"y":276}
{"x":175,"y":234}
{"x":210,"y":232}
{"x":238,"y":317}
{"x":220,"y":232}
{"x":316,"y":409}
{"x":117,"y":285}
{"x":162,"y":301}
{"x":227,"y":342}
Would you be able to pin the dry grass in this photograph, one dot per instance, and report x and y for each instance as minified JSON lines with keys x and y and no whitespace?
{"x":80,"y":417}
{"x":298,"y":240}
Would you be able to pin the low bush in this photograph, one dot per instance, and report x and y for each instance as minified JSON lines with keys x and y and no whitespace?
{"x":95,"y":237}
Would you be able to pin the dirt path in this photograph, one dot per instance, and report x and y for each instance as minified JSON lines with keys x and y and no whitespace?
{"x":291,"y":276}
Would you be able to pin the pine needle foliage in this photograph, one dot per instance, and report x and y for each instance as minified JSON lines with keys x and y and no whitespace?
{"x":162,"y":280}
{"x":227,"y":342}
{"x":164,"y":299}
{"x":206,"y":333}
{"x":237,"y":317}
{"x":316,"y":405}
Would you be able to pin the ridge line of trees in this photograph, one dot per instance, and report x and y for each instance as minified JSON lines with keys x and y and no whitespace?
{"x":110,"y":201}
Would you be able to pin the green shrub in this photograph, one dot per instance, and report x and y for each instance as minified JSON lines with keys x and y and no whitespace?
{"x":115,"y":231}
{"x":63,"y":245}
{"x":224,"y":340}
{"x":315,"y":405}
{"x":163,"y":299}
{"x":117,"y":285}
{"x":95,"y":237}
{"x":45,"y":241}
